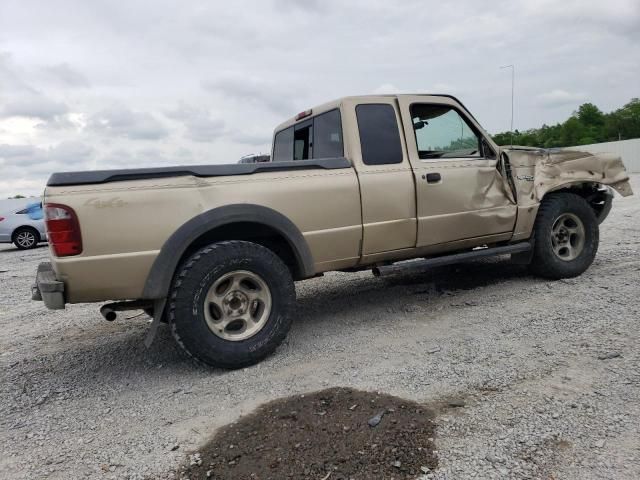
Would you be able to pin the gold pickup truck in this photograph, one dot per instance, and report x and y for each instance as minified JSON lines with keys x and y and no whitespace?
{"x":357,"y":183}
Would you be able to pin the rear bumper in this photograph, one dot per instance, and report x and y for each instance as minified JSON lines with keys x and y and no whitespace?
{"x":48,"y":288}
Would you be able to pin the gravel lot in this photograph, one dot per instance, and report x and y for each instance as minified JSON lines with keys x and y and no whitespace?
{"x":83,"y":398}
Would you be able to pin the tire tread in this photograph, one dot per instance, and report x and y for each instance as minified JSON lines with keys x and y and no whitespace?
{"x":226,"y":251}
{"x":544,"y":263}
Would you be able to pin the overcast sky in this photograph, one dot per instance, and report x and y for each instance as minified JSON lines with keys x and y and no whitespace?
{"x":109,"y":84}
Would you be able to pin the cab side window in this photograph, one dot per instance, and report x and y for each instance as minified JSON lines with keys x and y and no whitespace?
{"x":442,"y":132}
{"x":379,"y":135}
{"x":317,"y":137}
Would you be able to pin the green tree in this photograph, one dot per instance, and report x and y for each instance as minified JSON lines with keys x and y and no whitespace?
{"x":589,"y":114}
{"x":588,"y":124}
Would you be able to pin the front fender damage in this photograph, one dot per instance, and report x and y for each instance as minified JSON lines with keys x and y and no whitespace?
{"x":567,"y":167}
{"x":550,"y":170}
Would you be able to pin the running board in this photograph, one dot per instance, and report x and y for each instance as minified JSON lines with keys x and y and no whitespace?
{"x":420,"y":265}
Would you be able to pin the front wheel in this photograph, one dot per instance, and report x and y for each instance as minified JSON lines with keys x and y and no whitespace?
{"x":566,"y":236}
{"x":231,"y":304}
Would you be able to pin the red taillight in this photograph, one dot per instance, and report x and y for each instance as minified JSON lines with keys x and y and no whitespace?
{"x":63,"y":230}
{"x":1,"y":218}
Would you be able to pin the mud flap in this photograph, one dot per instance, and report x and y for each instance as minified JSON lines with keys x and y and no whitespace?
{"x":158,"y":310}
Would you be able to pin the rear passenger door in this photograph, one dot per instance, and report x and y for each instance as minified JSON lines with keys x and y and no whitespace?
{"x":460,"y":192}
{"x":387,"y":189}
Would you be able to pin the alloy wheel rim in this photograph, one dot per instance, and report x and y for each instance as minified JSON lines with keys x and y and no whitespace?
{"x":568,"y":237}
{"x":26,"y":239}
{"x":237,"y":305}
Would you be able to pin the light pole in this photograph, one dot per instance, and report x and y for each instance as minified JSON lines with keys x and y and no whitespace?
{"x":513,"y":83}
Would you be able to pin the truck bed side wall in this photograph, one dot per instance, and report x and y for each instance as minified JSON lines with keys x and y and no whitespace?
{"x":135,"y":218}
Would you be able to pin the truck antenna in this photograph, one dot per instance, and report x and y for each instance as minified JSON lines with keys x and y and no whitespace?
{"x":513,"y":83}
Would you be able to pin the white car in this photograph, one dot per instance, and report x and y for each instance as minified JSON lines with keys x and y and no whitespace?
{"x":23,"y":226}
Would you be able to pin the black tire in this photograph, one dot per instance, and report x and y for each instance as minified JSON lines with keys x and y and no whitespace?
{"x":545,"y":261}
{"x":25,"y":238}
{"x":192,"y":283}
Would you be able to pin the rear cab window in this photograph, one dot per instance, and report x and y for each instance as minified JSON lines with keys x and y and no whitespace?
{"x":313,"y":138}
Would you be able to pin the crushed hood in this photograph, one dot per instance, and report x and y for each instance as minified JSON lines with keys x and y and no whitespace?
{"x":555,"y":168}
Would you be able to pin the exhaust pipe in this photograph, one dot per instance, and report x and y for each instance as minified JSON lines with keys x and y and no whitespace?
{"x":109,"y":310}
{"x":109,"y":314}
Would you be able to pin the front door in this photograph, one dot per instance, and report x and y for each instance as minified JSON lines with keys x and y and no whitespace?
{"x":460,"y":192}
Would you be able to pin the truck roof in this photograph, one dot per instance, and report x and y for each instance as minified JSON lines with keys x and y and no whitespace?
{"x":325,"y":107}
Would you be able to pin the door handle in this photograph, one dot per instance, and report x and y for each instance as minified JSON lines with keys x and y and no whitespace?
{"x":432,"y":177}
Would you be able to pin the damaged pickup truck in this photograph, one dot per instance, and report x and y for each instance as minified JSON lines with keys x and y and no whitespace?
{"x":357,"y":183}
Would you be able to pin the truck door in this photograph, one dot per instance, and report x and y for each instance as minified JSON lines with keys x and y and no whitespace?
{"x":460,"y":193}
{"x":387,"y":190}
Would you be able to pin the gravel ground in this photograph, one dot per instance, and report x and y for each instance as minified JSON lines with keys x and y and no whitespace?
{"x":83,"y":398}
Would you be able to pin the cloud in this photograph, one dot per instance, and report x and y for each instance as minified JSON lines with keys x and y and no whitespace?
{"x":19,"y":99}
{"x":287,"y":6}
{"x":25,"y":168}
{"x":119,"y":121}
{"x":66,"y":76}
{"x":559,"y":98}
{"x":253,"y":138}
{"x":139,"y":158}
{"x":71,"y":152}
{"x":10,"y":79}
{"x":200,"y":124}
{"x":33,"y":106}
{"x":387,"y":88}
{"x":65,"y":153}
{"x":611,"y":14}
{"x":253,"y":91}
{"x":19,"y":154}
{"x":212,"y":80}
{"x":59,"y":123}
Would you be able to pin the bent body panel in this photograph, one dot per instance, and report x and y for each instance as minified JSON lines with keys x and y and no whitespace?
{"x":537,"y":172}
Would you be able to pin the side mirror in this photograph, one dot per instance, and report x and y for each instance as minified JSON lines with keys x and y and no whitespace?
{"x":419,"y":124}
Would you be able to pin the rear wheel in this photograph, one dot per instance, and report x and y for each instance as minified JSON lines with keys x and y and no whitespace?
{"x":25,"y":238}
{"x":231,"y":304}
{"x":566,"y":236}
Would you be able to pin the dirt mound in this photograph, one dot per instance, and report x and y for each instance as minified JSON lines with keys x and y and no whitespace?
{"x":333,"y":434}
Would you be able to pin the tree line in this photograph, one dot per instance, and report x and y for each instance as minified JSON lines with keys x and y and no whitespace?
{"x":586,"y":125}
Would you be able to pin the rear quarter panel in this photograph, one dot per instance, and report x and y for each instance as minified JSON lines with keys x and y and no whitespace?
{"x":124,"y":224}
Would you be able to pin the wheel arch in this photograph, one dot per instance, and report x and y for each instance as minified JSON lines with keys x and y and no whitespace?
{"x":27,"y":227}
{"x":598,"y":196}
{"x":256,"y":223}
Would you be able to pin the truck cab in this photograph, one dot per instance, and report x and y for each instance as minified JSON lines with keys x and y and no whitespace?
{"x":427,"y":172}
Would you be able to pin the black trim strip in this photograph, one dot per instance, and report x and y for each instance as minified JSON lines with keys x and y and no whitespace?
{"x":106,"y":176}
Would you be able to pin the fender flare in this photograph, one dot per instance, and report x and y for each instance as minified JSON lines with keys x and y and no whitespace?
{"x":161,"y":274}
